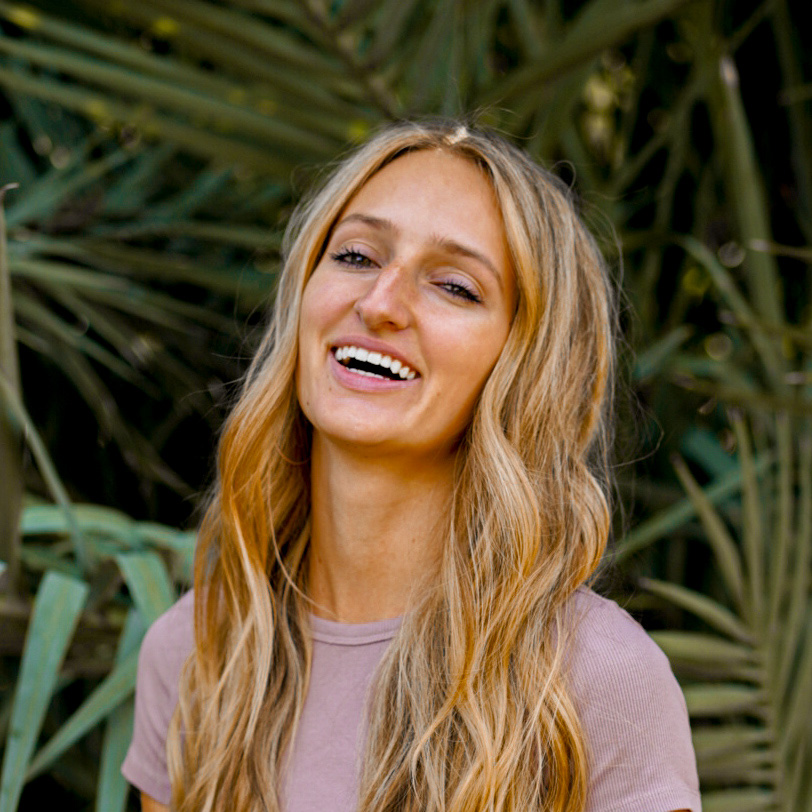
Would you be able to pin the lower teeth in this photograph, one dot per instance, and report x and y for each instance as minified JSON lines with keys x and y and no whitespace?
{"x":371,"y":374}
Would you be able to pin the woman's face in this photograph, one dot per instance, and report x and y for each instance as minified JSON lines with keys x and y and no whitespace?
{"x":408,"y":309}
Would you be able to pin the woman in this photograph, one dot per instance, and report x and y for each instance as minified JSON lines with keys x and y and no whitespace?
{"x":389,"y":611}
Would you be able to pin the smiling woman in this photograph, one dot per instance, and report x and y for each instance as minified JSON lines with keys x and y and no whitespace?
{"x":390,"y":610}
{"x":421,"y":276}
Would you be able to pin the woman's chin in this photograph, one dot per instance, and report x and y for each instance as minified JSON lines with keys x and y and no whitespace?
{"x":379,"y":443}
{"x":364,"y":439}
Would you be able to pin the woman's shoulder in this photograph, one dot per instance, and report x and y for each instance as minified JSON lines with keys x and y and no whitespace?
{"x":620,"y":679}
{"x":164,"y":650}
{"x":168,"y":642}
{"x":601,"y":630}
{"x":176,"y":625}
{"x":632,"y":711}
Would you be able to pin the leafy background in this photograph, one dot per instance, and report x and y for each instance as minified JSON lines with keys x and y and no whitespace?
{"x":158,"y":147}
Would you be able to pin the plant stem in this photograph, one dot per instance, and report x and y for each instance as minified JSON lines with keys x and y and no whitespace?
{"x":10,"y":457}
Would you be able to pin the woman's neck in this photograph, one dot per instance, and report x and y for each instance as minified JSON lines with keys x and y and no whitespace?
{"x":376,"y":531}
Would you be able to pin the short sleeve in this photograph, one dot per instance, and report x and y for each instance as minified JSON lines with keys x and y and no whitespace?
{"x":633,"y":713}
{"x":164,"y":650}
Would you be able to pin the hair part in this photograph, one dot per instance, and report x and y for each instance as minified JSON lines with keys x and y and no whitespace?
{"x":471,"y":708}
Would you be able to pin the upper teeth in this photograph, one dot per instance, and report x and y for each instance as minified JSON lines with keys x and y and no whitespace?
{"x":375,"y":358}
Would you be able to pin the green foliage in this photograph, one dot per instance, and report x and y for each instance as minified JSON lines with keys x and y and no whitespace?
{"x":748,"y":675}
{"x":150,"y":559}
{"x":56,"y":611}
{"x":158,"y":146}
{"x":10,"y":461}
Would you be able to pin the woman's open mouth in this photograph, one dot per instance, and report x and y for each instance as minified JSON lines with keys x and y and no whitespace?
{"x":372,"y":364}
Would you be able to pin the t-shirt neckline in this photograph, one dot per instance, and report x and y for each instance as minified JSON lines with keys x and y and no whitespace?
{"x":353,"y":634}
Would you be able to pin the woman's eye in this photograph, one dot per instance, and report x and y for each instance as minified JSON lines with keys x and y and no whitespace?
{"x":354,"y":259}
{"x":461,"y":291}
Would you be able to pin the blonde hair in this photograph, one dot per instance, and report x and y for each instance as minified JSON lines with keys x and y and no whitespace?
{"x":471,"y":709}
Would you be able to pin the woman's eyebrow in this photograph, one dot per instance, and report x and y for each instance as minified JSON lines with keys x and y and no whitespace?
{"x":453,"y":247}
{"x":445,"y":243}
{"x":367,"y":219}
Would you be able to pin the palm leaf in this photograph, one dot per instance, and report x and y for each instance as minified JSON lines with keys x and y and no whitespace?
{"x":11,"y":402}
{"x":750,"y":698}
{"x":10,"y":457}
{"x":113,"y":789}
{"x":113,"y":690}
{"x":149,"y":583}
{"x":56,"y":612}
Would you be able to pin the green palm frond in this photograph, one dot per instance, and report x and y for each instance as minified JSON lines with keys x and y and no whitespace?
{"x":748,"y":679}
{"x":107,"y":307}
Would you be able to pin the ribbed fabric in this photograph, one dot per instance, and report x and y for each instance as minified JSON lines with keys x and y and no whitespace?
{"x":631,"y":707}
{"x":633,"y":712}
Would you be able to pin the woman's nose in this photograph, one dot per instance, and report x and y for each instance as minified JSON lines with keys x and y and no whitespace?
{"x":387,"y":300}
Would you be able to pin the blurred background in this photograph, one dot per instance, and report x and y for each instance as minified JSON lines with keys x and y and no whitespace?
{"x":157,"y":147}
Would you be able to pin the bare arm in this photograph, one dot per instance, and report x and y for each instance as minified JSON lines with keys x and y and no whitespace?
{"x":149,"y":804}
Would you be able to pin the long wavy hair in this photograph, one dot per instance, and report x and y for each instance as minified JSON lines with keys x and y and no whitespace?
{"x":470,"y":709}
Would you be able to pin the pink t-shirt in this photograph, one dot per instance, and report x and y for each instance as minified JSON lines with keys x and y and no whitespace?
{"x":631,"y":707}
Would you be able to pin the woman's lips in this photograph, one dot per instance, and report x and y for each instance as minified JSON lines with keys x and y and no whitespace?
{"x":354,"y":379}
{"x":373,"y":362}
{"x":373,"y":351}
